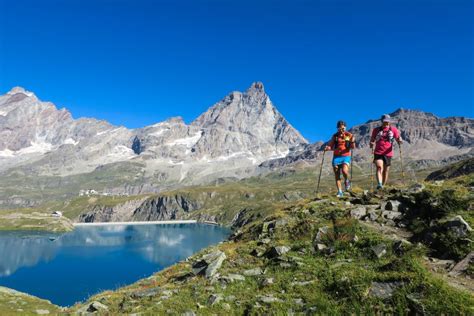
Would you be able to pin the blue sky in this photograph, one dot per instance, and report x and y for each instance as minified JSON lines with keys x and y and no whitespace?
{"x":135,"y":63}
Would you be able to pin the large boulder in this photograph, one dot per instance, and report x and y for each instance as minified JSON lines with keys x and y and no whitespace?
{"x":209,"y":264}
{"x":458,"y":226}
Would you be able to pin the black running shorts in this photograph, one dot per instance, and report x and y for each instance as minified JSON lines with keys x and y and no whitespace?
{"x":386,"y":160}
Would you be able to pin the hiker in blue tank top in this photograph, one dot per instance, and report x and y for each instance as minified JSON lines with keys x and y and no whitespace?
{"x":341,"y":143}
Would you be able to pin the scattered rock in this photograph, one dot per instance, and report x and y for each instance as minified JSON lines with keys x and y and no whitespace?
{"x":416,"y":304}
{"x":392,"y":215}
{"x":401,"y":246}
{"x":268,"y":299}
{"x":416,"y":188}
{"x":209,"y":264}
{"x":384,"y":290}
{"x":277,"y":251}
{"x":42,"y":311}
{"x":320,"y":247}
{"x":286,"y":265}
{"x":322,"y":232}
{"x":264,"y":241}
{"x":236,"y":277}
{"x":258,"y":252}
{"x":391,"y":205}
{"x":372,"y":215}
{"x":301,"y":283}
{"x":94,"y":307}
{"x":358,"y":212}
{"x":379,"y":250}
{"x":298,"y":301}
{"x":146,"y":293}
{"x":461,"y":266}
{"x":267,"y":281}
{"x":253,"y":272}
{"x":214,"y":299}
{"x":458,"y":226}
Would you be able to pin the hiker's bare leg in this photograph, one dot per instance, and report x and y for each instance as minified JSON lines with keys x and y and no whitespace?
{"x":380,"y":166}
{"x":345,"y":171}
{"x":337,"y":174}
{"x":385,"y":174}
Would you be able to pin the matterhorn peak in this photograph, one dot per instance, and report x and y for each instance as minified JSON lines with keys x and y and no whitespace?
{"x":256,"y":87}
{"x":18,"y":89}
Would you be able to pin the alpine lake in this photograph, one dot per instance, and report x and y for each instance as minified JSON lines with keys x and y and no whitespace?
{"x":70,"y":267}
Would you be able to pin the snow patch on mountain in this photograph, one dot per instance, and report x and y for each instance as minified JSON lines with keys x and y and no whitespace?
{"x":71,"y":141}
{"x":187,"y":141}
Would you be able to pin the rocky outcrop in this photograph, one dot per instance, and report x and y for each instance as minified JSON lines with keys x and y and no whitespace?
{"x":119,"y":213}
{"x":165,"y":208}
{"x":462,"y":168}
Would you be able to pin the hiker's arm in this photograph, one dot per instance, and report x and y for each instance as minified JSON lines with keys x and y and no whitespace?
{"x":329,"y":145}
{"x":398,"y":138}
{"x":372,"y":139}
{"x":353,"y":142}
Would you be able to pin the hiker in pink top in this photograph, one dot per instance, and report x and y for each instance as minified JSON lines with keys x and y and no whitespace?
{"x":382,"y":139}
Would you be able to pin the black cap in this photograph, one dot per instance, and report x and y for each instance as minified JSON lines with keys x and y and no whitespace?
{"x":339,"y":123}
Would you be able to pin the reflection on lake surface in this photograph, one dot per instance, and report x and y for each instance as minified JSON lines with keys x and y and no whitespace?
{"x":70,"y":267}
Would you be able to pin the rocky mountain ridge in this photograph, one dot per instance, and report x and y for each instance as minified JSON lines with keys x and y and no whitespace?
{"x":428,"y":140}
{"x":240,"y":136}
{"x":228,"y":140}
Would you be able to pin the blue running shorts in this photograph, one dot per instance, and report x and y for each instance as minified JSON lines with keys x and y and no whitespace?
{"x":337,"y":161}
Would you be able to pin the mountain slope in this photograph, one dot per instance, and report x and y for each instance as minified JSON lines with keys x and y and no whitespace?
{"x":228,"y":141}
{"x":428,"y":140}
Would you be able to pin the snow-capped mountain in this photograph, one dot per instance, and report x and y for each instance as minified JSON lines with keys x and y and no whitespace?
{"x":230,"y":139}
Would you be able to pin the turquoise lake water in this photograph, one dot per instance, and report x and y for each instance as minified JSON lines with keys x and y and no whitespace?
{"x":71,"y":267}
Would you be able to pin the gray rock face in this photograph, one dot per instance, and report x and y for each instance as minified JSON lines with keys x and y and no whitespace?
{"x":164,"y":208}
{"x":120,"y":213}
{"x":246,"y":122}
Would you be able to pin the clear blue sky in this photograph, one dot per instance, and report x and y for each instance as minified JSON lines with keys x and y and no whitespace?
{"x":138,"y":62}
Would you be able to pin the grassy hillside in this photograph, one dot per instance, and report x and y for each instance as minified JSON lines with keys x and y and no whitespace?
{"x":348,"y":275}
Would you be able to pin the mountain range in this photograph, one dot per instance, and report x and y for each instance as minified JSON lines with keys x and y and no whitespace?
{"x":241,"y":135}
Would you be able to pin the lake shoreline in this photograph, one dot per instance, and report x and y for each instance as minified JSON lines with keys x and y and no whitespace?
{"x":138,"y":223}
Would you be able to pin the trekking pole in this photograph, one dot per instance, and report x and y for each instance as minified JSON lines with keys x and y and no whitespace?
{"x":320,"y":172}
{"x":371,"y":170}
{"x":401,"y":156}
{"x":352,"y":163}
{"x":401,"y":163}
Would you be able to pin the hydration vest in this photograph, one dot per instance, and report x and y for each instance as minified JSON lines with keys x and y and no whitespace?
{"x":388,"y":136}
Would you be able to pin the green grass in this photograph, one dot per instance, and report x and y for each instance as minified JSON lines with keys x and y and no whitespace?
{"x":340,"y":282}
